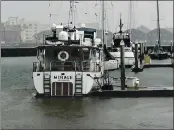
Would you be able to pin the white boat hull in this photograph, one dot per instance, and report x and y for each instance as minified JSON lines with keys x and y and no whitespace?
{"x":129,"y":59}
{"x":111,"y":65}
{"x":57,"y":82}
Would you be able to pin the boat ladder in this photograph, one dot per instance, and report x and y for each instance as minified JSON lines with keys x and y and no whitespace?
{"x":47,"y":85}
{"x":78,"y":85}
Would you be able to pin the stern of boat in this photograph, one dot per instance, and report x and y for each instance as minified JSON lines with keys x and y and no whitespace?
{"x":63,"y":83}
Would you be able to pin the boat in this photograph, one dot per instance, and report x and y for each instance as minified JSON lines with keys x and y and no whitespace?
{"x":65,"y":66}
{"x":158,"y":52}
{"x":128,"y":49}
{"x":68,"y":65}
{"x":90,"y":36}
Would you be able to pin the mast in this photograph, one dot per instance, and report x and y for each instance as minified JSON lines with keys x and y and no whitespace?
{"x":103,"y":24}
{"x":121,"y":25}
{"x":130,"y":19}
{"x":158,"y":25}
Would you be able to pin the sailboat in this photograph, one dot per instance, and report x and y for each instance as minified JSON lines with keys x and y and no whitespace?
{"x":158,"y":52}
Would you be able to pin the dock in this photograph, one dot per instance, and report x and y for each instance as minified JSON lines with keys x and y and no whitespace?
{"x":158,"y":65}
{"x":146,"y":92}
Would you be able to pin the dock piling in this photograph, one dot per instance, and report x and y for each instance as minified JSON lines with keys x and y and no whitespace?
{"x":136,"y":54}
{"x":141,"y":52}
{"x":136,"y":67}
{"x":122,"y":65}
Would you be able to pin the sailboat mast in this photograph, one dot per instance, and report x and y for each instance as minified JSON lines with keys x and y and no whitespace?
{"x":121,"y":24}
{"x":103,"y":24}
{"x":130,"y":20}
{"x":158,"y":25}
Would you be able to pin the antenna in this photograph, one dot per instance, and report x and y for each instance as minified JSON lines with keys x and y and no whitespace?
{"x":121,"y":24}
{"x":130,"y":19}
{"x":113,"y":15}
{"x":52,"y":14}
{"x":103,"y":24}
{"x":72,"y":10}
{"x":72,"y":6}
{"x":158,"y":25}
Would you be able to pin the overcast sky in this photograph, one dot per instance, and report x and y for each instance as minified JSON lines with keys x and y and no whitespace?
{"x":144,"y":12}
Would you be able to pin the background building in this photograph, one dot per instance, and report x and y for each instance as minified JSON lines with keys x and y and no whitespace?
{"x":10,"y":33}
{"x":166,"y":36}
{"x":16,"y":30}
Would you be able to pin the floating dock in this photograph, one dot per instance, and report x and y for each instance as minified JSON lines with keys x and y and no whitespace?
{"x":146,"y":92}
{"x":131,"y":93}
{"x":159,"y":65}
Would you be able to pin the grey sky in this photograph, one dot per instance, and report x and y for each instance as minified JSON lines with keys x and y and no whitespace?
{"x":144,"y":12}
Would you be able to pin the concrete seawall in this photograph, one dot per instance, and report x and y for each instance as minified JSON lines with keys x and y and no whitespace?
{"x":18,"y":52}
{"x":31,"y":51}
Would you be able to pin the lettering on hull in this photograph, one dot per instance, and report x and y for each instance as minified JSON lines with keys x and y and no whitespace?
{"x":63,"y":77}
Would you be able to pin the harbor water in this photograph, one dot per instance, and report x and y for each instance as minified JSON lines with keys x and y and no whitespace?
{"x":20,"y":110}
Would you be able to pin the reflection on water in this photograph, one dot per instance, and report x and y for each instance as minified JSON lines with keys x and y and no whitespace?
{"x":20,"y":110}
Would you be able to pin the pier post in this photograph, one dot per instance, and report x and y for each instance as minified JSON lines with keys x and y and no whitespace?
{"x":145,"y":47}
{"x":171,"y":48}
{"x":136,"y":54}
{"x":136,"y":67}
{"x":122,"y":65}
{"x":141,"y":52}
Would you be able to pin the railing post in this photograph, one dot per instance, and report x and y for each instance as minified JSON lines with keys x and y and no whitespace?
{"x":50,"y":65}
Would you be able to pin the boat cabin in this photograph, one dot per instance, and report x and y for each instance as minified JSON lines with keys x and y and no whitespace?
{"x":117,"y":37}
{"x":89,"y":33}
{"x":67,"y":57}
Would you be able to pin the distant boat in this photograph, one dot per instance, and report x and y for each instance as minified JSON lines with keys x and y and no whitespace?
{"x":158,"y":52}
{"x":2,"y":42}
{"x":128,"y":52}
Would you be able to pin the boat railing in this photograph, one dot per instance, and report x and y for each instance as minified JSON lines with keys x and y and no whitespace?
{"x":85,"y":66}
{"x":34,"y":66}
{"x":88,"y":66}
{"x":44,"y":37}
{"x":37,"y":67}
{"x":63,"y":66}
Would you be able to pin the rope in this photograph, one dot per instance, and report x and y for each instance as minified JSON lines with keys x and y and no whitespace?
{"x":60,"y":6}
{"x":50,"y":15}
{"x":49,"y":4}
{"x":69,"y":14}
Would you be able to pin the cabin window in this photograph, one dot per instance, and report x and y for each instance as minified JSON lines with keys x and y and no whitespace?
{"x":94,"y":53}
{"x":55,"y":53}
{"x":98,"y":54}
{"x":127,"y":50}
{"x":86,"y":53}
{"x":75,"y":53}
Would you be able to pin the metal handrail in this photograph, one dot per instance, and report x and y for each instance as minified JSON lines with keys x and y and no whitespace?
{"x":84,"y":68}
{"x":37,"y":65}
{"x":95,"y":69}
{"x":34,"y":66}
{"x":75,"y":66}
